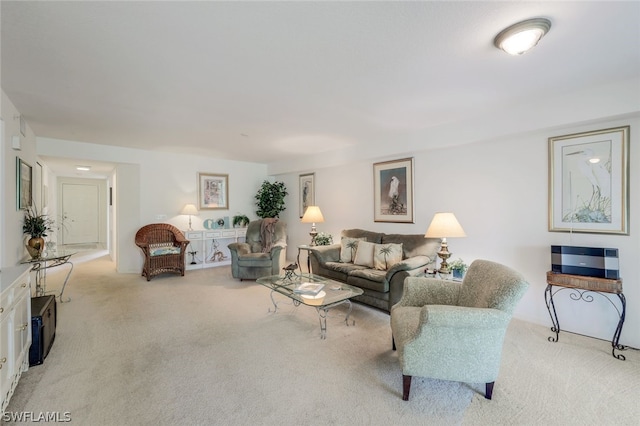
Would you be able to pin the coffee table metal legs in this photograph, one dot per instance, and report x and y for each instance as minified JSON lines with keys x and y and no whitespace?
{"x":275,"y":304}
{"x":322,"y":313}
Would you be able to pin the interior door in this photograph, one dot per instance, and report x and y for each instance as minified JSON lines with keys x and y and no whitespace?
{"x":80,"y":216}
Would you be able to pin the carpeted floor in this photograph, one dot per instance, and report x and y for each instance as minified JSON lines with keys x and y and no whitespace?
{"x":204,"y":350}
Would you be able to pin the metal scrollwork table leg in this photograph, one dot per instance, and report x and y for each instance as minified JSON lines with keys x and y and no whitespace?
{"x":587,"y":296}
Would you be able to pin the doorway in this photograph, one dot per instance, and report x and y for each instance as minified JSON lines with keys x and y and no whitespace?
{"x":82,"y":212}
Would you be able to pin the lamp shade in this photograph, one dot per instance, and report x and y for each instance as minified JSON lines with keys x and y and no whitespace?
{"x":189,"y":209}
{"x":444,"y":225}
{"x":312,"y":215}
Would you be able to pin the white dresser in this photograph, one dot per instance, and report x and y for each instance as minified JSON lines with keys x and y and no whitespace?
{"x":208,"y":248}
{"x":15,"y":328}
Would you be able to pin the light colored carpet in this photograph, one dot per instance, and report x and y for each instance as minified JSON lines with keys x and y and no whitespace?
{"x":204,"y":350}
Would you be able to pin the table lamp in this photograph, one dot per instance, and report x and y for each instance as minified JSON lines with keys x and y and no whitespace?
{"x":444,"y":225}
{"x":190,"y":210}
{"x":312,"y":215}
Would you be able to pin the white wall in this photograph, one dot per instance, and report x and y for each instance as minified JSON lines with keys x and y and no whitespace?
{"x":12,"y":238}
{"x":498,"y":189}
{"x":155,"y":186}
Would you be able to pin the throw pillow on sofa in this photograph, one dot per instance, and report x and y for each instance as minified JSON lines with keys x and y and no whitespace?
{"x":348,"y":248}
{"x":365,"y":254}
{"x":387,"y":255}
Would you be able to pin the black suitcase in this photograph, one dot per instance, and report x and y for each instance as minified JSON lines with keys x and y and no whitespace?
{"x":43,"y":328}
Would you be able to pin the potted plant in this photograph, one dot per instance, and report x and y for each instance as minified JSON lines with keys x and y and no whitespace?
{"x":240,"y":221}
{"x":36,"y":225}
{"x":458,"y":268}
{"x":270,"y":199}
{"x":323,"y":239}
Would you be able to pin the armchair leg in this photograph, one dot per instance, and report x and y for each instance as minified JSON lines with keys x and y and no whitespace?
{"x":393,"y":343}
{"x":489,"y":390}
{"x":406,"y":387}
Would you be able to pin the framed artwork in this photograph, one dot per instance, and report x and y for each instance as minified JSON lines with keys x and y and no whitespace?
{"x":24,"y":188}
{"x":213,"y":191}
{"x":307,"y":191}
{"x":393,"y":191}
{"x":589,"y":182}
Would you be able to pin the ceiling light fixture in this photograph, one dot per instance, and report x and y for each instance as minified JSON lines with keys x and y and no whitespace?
{"x":83,"y":168}
{"x":519,"y":38}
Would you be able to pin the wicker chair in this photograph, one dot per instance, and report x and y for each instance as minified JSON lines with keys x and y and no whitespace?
{"x":164,"y":247}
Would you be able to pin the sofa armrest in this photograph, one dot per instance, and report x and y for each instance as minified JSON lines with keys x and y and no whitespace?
{"x":240,"y":248}
{"x":275,"y":250}
{"x":324,"y":254}
{"x":400,"y":271}
{"x":409,"y":264}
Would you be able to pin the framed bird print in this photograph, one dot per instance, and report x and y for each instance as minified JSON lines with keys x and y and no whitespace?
{"x":393,"y":191}
{"x":589,"y":182}
{"x":307,"y":192}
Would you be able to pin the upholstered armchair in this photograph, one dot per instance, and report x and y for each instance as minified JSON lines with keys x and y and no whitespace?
{"x":163,"y":246}
{"x":263,"y":253}
{"x":454,"y":331}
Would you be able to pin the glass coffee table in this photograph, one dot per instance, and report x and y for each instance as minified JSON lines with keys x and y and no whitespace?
{"x":333,"y":294}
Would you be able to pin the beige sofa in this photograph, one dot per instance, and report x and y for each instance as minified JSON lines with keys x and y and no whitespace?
{"x":383,"y":286}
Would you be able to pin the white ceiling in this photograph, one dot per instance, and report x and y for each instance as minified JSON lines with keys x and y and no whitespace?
{"x":263,"y":81}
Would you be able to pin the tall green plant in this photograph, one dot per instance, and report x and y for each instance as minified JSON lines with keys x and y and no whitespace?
{"x":270,"y":199}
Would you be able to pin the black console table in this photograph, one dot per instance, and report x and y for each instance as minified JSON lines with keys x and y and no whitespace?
{"x":583,"y":288}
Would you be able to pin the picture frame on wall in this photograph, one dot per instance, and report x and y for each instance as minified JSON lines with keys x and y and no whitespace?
{"x":393,"y":191}
{"x":213,"y":191}
{"x":589,"y":182}
{"x":307,"y":191}
{"x":24,"y":186}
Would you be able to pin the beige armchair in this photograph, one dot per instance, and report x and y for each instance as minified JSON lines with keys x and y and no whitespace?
{"x":263,"y":253}
{"x":455,"y":330}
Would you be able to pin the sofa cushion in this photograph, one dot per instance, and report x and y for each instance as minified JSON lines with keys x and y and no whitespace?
{"x":348,"y":248}
{"x":386,"y":255}
{"x":371,"y":279}
{"x":162,"y":249}
{"x":343,"y":267}
{"x":364,"y":254}
{"x":337,"y":270}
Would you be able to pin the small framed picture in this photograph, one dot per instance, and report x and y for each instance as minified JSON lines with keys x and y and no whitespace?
{"x":589,"y":182}
{"x":307,"y":192}
{"x":24,"y":175}
{"x":393,"y":191}
{"x":213,"y":191}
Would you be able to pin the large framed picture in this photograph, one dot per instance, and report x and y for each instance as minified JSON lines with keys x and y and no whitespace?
{"x":589,"y":182}
{"x":307,"y":192}
{"x":213,"y":191}
{"x":24,"y":188}
{"x":393,"y":191}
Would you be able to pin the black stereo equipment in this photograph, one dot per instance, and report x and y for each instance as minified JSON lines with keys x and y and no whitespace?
{"x":586,"y":261}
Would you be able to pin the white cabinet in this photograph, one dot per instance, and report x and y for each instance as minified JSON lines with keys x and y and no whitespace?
{"x":15,"y":328}
{"x":208,"y":248}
